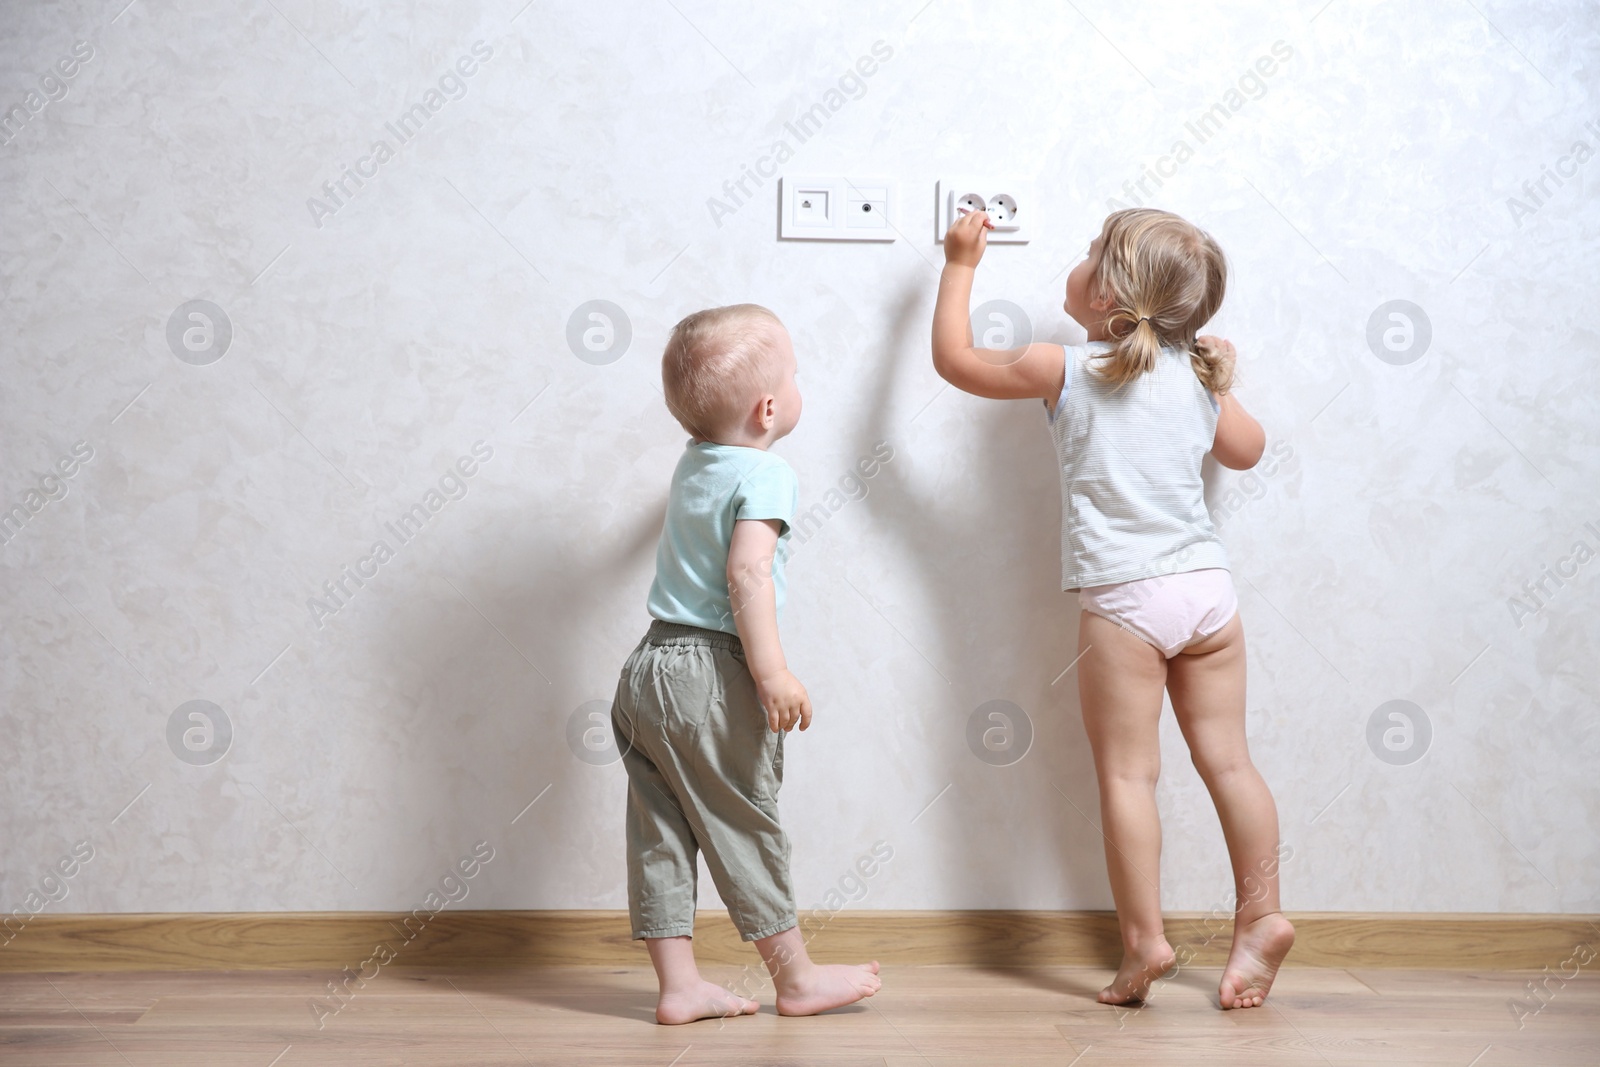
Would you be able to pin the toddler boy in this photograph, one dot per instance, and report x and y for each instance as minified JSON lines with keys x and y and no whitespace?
{"x":706,"y":697}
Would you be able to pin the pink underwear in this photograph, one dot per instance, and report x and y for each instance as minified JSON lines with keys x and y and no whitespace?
{"x":1169,"y":611}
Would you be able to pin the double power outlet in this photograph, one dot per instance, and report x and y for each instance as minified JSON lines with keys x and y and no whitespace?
{"x":866,"y":209}
{"x":1010,"y":206}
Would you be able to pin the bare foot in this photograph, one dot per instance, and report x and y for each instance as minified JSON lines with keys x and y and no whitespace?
{"x":1138,"y":970}
{"x":705,"y":1001}
{"x":1253,"y":962}
{"x":828,"y":986}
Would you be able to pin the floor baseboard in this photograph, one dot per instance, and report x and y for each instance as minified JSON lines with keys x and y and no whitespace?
{"x":458,"y":939}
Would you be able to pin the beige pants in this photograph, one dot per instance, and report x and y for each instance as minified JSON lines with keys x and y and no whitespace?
{"x":703,"y":775}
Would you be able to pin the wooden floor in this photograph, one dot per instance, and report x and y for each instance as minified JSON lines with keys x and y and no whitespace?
{"x":928,"y":1016}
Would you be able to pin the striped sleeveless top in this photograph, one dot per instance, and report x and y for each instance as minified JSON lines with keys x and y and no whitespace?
{"x":1132,"y":502}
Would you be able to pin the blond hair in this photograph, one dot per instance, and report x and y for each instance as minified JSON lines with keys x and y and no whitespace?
{"x":717,"y":362}
{"x":1165,"y":277}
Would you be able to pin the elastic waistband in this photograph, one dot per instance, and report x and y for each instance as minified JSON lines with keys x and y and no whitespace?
{"x":678,"y":633}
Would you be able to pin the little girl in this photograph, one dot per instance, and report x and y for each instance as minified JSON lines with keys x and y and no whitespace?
{"x":1133,"y":414}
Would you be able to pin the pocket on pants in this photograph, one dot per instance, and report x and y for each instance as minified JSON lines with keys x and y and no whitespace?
{"x":736,"y":741}
{"x":775,"y":777}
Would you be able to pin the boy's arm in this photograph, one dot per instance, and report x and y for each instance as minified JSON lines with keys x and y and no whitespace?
{"x":755,"y":615}
{"x":1034,"y":370}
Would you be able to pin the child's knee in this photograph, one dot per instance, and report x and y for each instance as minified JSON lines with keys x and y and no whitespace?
{"x":1220,"y":766}
{"x":1133,"y":776}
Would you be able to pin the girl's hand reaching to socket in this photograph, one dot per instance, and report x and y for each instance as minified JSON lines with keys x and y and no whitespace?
{"x":786,"y":700}
{"x":968,"y":237}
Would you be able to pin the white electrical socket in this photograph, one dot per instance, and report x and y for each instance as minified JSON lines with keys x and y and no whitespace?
{"x":1010,"y":204}
{"x":836,"y":208}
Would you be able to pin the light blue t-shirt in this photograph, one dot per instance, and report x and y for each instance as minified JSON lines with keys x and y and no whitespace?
{"x":713,"y":487}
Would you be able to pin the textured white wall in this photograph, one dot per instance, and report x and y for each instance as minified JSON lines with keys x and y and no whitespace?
{"x":379,"y":339}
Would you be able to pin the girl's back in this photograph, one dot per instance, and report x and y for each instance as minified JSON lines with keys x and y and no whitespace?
{"x":1132,"y":500}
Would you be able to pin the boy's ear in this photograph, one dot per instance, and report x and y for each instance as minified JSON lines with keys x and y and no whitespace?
{"x":767,"y":411}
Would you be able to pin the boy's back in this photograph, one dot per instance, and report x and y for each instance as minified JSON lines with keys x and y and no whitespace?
{"x":713,"y":487}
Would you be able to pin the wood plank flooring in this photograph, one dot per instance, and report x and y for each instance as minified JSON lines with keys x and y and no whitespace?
{"x":926,"y":1016}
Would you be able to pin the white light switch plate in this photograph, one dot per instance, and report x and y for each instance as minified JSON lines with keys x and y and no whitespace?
{"x":836,"y":208}
{"x":1010,"y":204}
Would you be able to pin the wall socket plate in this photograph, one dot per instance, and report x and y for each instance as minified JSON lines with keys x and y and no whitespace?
{"x":836,"y":208}
{"x":1010,"y":204}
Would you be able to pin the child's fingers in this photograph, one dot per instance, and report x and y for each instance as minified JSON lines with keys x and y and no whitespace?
{"x":805,"y":713}
{"x":774,"y":719}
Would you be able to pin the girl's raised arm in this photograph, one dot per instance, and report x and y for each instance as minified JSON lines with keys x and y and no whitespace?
{"x":1034,"y":370}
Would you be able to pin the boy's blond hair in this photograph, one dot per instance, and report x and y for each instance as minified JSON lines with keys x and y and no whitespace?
{"x":717,"y":362}
{"x":1166,"y":278}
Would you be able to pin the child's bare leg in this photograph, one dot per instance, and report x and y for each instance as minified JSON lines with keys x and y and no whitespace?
{"x":685,"y":996}
{"x":804,"y":987}
{"x":1120,"y":679}
{"x":1207,"y":683}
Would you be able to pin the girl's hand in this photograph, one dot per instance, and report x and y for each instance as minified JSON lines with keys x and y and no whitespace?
{"x":1223,"y":346}
{"x":968,"y":237}
{"x":1226,"y":354}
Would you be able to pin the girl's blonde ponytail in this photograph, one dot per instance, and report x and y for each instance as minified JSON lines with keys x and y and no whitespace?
{"x":1138,"y":346}
{"x":1166,"y":279}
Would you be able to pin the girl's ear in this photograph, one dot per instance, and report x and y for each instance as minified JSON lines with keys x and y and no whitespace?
{"x":1101,"y":300}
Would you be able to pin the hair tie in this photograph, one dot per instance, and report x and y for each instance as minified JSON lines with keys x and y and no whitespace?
{"x":1146,"y":318}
